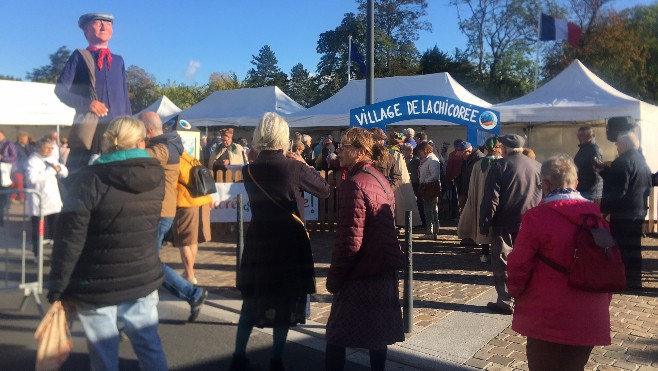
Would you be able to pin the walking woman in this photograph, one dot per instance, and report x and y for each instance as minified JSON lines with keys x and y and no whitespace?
{"x":365,"y":312}
{"x":104,"y":258}
{"x":276,"y":272}
{"x":562,"y":323}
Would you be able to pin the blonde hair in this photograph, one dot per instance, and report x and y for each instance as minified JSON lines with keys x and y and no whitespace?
{"x":123,"y":133}
{"x":560,"y":171}
{"x":272,"y":132}
{"x":360,"y":138}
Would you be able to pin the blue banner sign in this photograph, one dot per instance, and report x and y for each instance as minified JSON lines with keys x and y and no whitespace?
{"x":426,"y":107}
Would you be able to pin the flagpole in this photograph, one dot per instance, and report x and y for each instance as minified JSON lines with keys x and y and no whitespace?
{"x":349,"y":58}
{"x":537,"y":49}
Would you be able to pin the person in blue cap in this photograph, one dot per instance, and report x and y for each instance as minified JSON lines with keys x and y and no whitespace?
{"x":109,"y":98}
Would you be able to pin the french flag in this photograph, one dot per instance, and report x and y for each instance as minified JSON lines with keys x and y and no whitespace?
{"x":559,"y":29}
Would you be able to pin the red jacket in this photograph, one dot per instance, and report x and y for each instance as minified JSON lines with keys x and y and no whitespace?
{"x":365,"y":226}
{"x":545,"y":307}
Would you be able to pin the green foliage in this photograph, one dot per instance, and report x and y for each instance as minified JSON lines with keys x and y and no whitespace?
{"x":142,"y":88}
{"x":10,"y":77}
{"x":266,"y":71}
{"x":184,"y":96}
{"x":302,"y":87}
{"x":50,"y":73}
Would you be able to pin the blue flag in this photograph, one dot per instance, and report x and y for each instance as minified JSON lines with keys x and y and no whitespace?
{"x":355,"y":56}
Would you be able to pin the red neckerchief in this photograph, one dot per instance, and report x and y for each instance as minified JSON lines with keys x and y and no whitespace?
{"x":103,"y":53}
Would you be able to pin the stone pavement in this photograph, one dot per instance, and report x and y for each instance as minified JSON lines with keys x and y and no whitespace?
{"x":452,"y":329}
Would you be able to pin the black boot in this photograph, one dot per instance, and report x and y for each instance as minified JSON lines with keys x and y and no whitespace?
{"x":277,"y":365}
{"x":239,"y":363}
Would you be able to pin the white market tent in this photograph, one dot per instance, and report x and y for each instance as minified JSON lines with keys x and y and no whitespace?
{"x":32,"y":103}
{"x":164,"y":107}
{"x":240,"y":107}
{"x":32,"y":107}
{"x":551,"y":115}
{"x":334,"y":112}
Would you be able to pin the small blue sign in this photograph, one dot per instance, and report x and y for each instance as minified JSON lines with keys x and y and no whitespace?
{"x":427,"y":107}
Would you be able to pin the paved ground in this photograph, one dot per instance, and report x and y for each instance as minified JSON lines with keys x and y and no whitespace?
{"x":452,"y":329}
{"x":450,"y":285}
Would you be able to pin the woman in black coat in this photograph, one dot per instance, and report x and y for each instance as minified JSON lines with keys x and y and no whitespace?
{"x":276,"y":272}
{"x":105,"y":260}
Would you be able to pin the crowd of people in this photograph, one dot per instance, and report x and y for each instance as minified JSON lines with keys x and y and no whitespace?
{"x":132,"y":178}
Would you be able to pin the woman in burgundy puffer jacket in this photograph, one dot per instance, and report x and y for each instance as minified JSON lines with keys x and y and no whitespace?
{"x":365,"y":312}
{"x":562,"y":324}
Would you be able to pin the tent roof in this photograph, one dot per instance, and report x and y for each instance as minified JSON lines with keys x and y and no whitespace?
{"x":575,"y":94}
{"x":32,"y":103}
{"x":240,"y":107}
{"x":335,"y":110}
{"x":164,"y":107}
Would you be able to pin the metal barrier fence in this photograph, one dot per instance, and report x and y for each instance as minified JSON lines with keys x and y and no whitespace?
{"x":15,"y":235}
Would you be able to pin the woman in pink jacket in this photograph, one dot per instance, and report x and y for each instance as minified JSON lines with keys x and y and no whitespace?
{"x":562,"y":324}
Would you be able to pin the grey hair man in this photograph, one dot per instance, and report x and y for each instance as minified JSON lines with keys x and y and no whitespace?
{"x":512,"y":186}
{"x":626,"y":186}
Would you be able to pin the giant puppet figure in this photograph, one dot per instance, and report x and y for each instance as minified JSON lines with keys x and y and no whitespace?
{"x":94,"y":83}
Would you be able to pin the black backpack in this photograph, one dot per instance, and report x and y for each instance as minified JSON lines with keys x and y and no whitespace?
{"x":201,"y":182}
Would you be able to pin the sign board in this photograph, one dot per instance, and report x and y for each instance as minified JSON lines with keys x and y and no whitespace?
{"x":225,"y":204}
{"x":427,"y":107}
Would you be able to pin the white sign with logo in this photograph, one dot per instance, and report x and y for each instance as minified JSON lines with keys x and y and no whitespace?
{"x":224,"y":207}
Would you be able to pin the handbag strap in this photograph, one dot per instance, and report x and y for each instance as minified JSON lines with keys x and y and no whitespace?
{"x":378,"y":181}
{"x":89,"y":61}
{"x":297,"y":218}
{"x":551,"y":263}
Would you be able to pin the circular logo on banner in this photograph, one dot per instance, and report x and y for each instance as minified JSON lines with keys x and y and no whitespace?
{"x":186,"y":125}
{"x":488,"y":120}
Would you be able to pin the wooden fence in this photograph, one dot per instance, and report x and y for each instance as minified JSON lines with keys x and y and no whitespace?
{"x":326,"y":207}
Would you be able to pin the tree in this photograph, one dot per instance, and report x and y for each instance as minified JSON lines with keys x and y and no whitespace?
{"x":142,"y":88}
{"x":184,"y":96}
{"x":302,"y":87}
{"x":397,"y":24}
{"x":501,"y":35}
{"x":50,"y":73}
{"x":266,"y":71}
{"x":10,"y":77}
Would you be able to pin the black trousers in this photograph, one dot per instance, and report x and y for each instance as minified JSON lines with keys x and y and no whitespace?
{"x":628,"y":233}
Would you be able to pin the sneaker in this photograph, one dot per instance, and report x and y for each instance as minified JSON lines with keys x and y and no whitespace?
{"x":484,"y":258}
{"x":195,"y":307}
{"x":239,"y":363}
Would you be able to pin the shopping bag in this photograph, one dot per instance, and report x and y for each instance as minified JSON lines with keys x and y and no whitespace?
{"x":53,"y":337}
{"x":5,"y":174}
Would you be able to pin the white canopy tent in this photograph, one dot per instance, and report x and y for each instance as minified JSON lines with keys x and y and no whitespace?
{"x":334,"y":112}
{"x":164,"y":107}
{"x":32,"y":107}
{"x":552,"y":114}
{"x":240,"y":107}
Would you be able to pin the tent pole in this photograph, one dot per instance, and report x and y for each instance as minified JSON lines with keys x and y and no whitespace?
{"x":537,"y":49}
{"x":349,"y":58}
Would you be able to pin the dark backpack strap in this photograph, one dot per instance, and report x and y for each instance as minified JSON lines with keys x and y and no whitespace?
{"x":558,"y":267}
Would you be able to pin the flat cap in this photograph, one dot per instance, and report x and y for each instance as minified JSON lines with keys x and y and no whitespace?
{"x":512,"y":141}
{"x":463,"y":146}
{"x":86,"y":18}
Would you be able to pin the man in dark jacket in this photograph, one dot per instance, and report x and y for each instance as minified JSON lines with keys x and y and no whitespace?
{"x":513,"y":185}
{"x":471,"y":156}
{"x":167,"y":148}
{"x":590,"y":183}
{"x":626,"y":187}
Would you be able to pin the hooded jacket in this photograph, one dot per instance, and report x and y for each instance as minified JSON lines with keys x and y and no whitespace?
{"x":167,"y":148}
{"x":545,"y":307}
{"x":105,"y":241}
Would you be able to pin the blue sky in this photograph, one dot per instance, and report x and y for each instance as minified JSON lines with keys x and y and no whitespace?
{"x":165,"y":37}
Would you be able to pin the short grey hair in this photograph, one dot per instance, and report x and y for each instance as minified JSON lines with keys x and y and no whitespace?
{"x":587,"y":130}
{"x":627,"y":141}
{"x":42,"y":142}
{"x":560,"y":171}
{"x":272,"y":132}
{"x":306,"y":137}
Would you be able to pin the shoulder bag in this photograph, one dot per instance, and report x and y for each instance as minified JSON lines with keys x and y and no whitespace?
{"x":84,"y":124}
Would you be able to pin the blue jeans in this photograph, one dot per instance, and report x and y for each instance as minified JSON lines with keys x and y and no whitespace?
{"x":173,"y":281}
{"x":141,"y":326}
